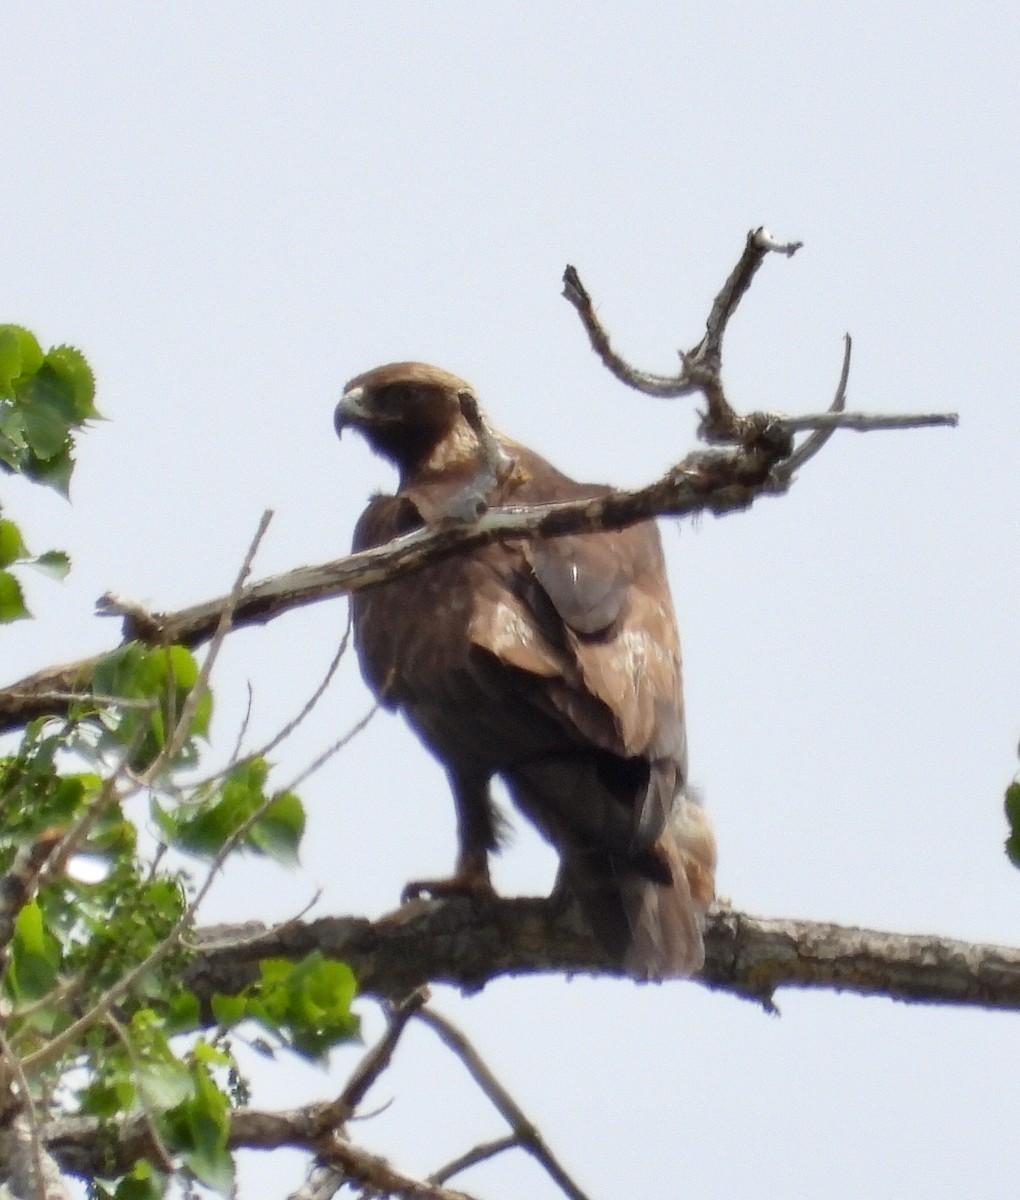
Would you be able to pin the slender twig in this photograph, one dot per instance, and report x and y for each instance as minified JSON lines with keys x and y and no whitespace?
{"x":246,"y":941}
{"x":267,"y":749}
{"x":243,"y":730}
{"x":811,"y":445}
{"x":666,"y":387}
{"x":699,"y":365}
{"x":375,"y":1061}
{"x":183,"y":725}
{"x":379,"y":1178}
{"x":313,"y":700}
{"x":525,"y":1133}
{"x":471,"y":1158}
{"x":708,"y":353}
{"x":866,"y":422}
{"x":318,"y":763}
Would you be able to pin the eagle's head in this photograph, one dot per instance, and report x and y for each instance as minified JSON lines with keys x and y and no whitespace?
{"x":410,"y":413}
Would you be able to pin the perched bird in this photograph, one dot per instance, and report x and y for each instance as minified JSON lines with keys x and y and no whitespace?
{"x":552,"y":664}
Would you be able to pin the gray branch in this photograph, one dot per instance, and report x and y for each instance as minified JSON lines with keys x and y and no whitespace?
{"x":454,"y":941}
{"x":716,"y":481}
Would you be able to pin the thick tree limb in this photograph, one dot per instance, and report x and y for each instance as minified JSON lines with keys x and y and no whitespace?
{"x":454,"y":942}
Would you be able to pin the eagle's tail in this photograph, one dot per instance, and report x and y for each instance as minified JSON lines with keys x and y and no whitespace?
{"x":648,"y":911}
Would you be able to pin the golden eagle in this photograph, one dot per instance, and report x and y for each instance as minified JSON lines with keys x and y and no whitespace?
{"x":554,"y":665}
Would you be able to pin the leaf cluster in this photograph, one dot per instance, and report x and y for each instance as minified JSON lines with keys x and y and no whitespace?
{"x":44,"y":400}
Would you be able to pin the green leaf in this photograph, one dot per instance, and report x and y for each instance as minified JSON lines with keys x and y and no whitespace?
{"x":12,"y":599}
{"x":1013,"y":816}
{"x":143,"y":1183}
{"x":165,"y":1084}
{"x":54,"y":563}
{"x":106,"y":1098}
{"x":183,"y":1012}
{"x":279,"y":830}
{"x":49,"y":415}
{"x":308,"y":1003}
{"x":229,"y":1010}
{"x":12,"y":547}
{"x":203,"y":828}
{"x":35,"y":955}
{"x":55,"y":472}
{"x":164,"y":675}
{"x":69,"y":367}
{"x":20,"y":356}
{"x":197,"y":1130}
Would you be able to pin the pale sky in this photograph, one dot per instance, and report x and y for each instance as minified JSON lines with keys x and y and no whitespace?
{"x":234,"y":208}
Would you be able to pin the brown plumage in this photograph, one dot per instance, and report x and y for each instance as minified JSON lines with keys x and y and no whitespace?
{"x":552,"y":664}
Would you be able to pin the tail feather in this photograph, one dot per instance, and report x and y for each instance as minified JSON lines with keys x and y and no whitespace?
{"x":652,"y":928}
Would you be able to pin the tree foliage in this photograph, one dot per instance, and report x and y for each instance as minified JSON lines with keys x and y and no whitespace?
{"x":105,"y":851}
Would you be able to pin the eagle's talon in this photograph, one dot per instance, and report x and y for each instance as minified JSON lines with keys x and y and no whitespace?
{"x":475,"y":887}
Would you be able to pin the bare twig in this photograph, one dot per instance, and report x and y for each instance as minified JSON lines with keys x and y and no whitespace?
{"x":666,"y":387}
{"x":182,"y":727}
{"x":866,"y":422}
{"x":245,"y":720}
{"x":378,"y":1178}
{"x":374,"y":1062}
{"x":526,"y":1135}
{"x":313,"y":700}
{"x":237,"y":760}
{"x":325,"y":1122}
{"x":318,"y":763}
{"x":707,"y":355}
{"x":811,"y":445}
{"x":261,"y":932}
{"x":471,"y":1158}
{"x":700,"y":365}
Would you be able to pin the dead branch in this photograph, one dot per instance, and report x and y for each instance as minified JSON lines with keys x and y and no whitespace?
{"x":760,"y":459}
{"x":456,"y":942}
{"x":701,"y":365}
{"x":714,"y":481}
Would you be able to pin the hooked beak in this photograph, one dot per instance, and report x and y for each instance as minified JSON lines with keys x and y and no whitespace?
{"x":350,"y":411}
